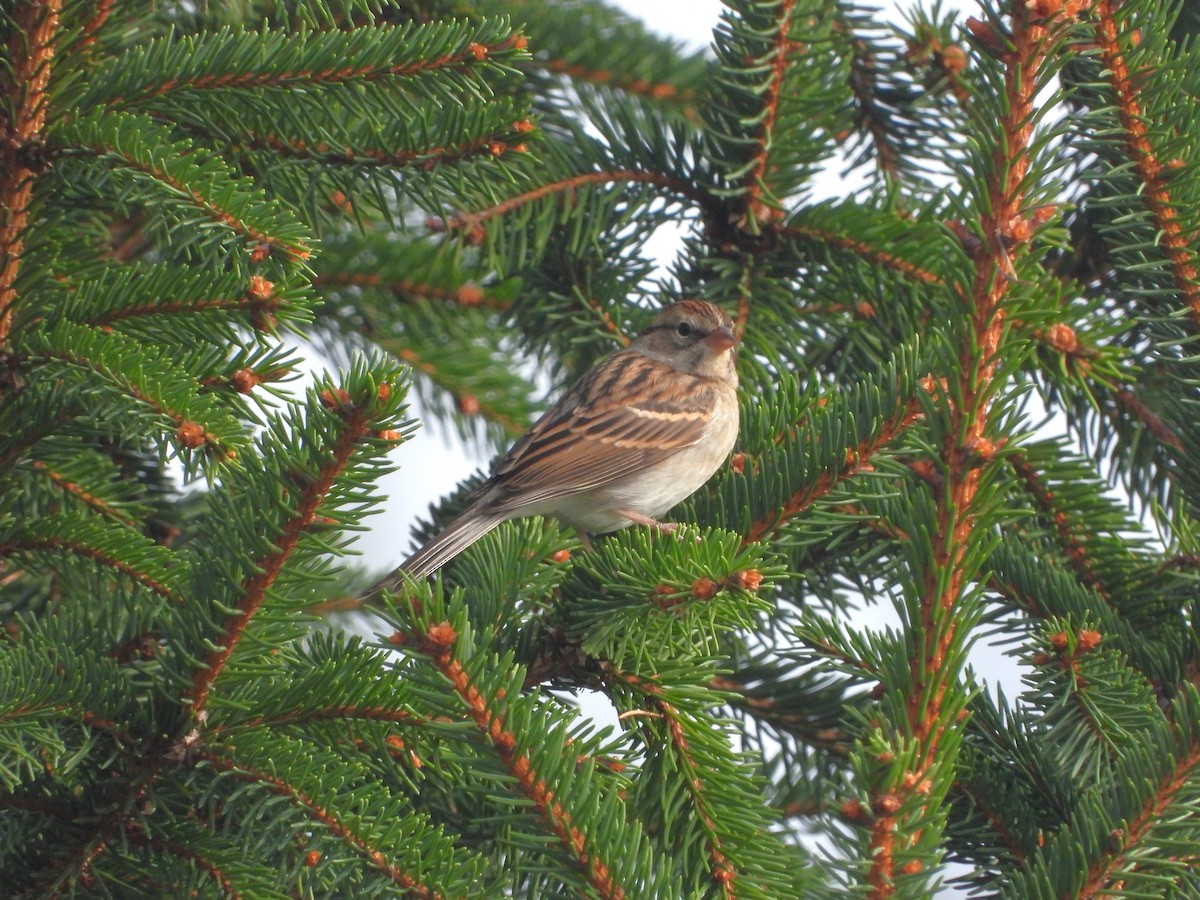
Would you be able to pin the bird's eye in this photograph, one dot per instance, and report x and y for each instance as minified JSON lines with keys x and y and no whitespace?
{"x":683,"y":329}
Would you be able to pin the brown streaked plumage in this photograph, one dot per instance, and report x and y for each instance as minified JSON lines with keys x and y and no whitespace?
{"x":638,"y":433}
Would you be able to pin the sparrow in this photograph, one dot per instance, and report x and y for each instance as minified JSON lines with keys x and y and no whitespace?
{"x":640,"y":431}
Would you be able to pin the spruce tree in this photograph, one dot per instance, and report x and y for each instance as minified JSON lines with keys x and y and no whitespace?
{"x":201,"y":202}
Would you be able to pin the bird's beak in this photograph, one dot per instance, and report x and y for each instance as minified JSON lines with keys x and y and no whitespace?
{"x":720,"y":340}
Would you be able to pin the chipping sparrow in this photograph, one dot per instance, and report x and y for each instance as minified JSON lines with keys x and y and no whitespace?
{"x":639,"y":432}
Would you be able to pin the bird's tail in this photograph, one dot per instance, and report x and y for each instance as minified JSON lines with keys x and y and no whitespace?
{"x":457,"y":537}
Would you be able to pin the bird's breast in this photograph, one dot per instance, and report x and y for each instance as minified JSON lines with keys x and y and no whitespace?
{"x":654,"y":490}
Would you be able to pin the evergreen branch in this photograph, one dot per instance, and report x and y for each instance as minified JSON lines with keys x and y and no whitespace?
{"x":210,"y":868}
{"x":464,"y":294}
{"x":994,"y":817}
{"x":636,"y":615}
{"x":93,"y":25}
{"x":660,"y":91}
{"x":296,"y":696}
{"x":357,"y":420}
{"x":1133,"y":827}
{"x":471,"y":223}
{"x":721,"y":870}
{"x":209,"y":203}
{"x":31,"y":804}
{"x":101,"y":555}
{"x":778,"y":63}
{"x":861,"y":249}
{"x":1138,"y":619}
{"x":143,"y":375}
{"x":347,"y":713}
{"x":74,"y":868}
{"x":17,"y":446}
{"x":29,"y":65}
{"x":1131,"y":810}
{"x":1004,"y":213}
{"x":359,"y":60}
{"x":772,"y":116}
{"x":863,"y":84}
{"x":1181,"y":561}
{"x":966,"y":448}
{"x":467,"y":403}
{"x":674,"y":707}
{"x":894,"y":114}
{"x":882,"y":831}
{"x":1066,"y":530}
{"x":245,"y":379}
{"x":1083,"y":535}
{"x":76,"y":490}
{"x":209,"y":310}
{"x":858,"y":461}
{"x":842,"y":650}
{"x":494,"y":145}
{"x":1155,"y":190}
{"x":259,"y":300}
{"x":1153,"y":422}
{"x":1070,"y":653}
{"x":596,"y":44}
{"x":1059,"y":337}
{"x":607,"y":320}
{"x":87,"y":717}
{"x":338,"y":605}
{"x":723,"y":874}
{"x":1125,"y":839}
{"x":43,"y":681}
{"x":766,"y":709}
{"x":326,"y":816}
{"x":745,"y":287}
{"x":438,"y":643}
{"x":1028,"y":601}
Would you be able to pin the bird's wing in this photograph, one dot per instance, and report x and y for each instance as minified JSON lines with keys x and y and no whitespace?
{"x":625,"y":415}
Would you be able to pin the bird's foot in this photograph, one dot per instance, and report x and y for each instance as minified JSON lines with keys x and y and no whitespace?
{"x":638,"y":519}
